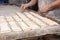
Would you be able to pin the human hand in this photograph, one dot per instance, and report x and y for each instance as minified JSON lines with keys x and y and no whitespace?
{"x":44,"y":8}
{"x":24,"y":6}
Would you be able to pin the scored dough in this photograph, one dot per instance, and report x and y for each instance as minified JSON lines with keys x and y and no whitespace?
{"x":50,"y":22}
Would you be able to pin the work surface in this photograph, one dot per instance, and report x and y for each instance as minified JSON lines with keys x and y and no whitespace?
{"x":17,"y":24}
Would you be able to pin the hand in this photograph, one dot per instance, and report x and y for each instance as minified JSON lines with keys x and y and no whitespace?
{"x":45,"y":8}
{"x":24,"y":6}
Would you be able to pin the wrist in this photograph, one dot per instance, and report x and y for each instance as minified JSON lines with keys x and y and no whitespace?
{"x":27,"y":5}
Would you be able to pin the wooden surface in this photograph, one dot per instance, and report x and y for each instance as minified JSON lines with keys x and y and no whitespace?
{"x":25,"y":24}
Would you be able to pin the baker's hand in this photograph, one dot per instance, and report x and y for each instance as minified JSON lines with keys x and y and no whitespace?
{"x":45,"y":8}
{"x":24,"y":6}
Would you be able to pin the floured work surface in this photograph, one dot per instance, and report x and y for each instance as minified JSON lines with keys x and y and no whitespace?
{"x":25,"y":24}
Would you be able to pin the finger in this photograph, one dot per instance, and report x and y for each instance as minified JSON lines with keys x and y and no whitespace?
{"x":22,"y":7}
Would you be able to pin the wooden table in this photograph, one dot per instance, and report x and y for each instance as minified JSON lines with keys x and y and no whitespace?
{"x":25,"y":25}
